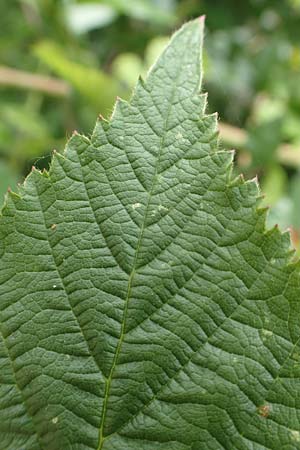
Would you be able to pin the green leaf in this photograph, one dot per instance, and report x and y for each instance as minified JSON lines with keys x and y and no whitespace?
{"x":295,"y":195}
{"x":8,"y":178}
{"x":143,"y":304}
{"x":23,"y":132}
{"x":274,"y":184}
{"x":263,"y":141}
{"x":128,"y":66}
{"x":95,"y":85}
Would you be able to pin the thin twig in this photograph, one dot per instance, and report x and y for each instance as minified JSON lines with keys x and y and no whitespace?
{"x":27,"y":80}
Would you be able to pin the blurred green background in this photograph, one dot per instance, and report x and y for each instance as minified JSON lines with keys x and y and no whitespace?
{"x":64,"y":62}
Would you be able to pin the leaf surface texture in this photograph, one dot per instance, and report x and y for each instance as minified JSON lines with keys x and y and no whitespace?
{"x":143,"y":305}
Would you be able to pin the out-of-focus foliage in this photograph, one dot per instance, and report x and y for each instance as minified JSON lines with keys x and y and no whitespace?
{"x":252,"y":66}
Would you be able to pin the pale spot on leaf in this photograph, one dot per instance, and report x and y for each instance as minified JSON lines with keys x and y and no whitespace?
{"x":295,"y":435}
{"x":136,"y":205}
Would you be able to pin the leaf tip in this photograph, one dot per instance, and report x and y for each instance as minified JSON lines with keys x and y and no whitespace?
{"x":201,"y":21}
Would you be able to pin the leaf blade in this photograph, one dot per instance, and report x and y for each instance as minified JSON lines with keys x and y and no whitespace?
{"x":144,"y":304}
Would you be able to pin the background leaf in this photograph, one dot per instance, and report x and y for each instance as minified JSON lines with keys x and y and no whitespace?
{"x":86,"y":80}
{"x":8,"y":179}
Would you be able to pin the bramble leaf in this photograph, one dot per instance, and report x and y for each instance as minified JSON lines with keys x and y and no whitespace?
{"x":143,"y":304}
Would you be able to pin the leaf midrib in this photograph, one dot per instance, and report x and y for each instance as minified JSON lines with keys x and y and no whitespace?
{"x":133,"y":271}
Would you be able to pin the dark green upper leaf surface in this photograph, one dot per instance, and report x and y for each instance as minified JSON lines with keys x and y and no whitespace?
{"x":143,"y":304}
